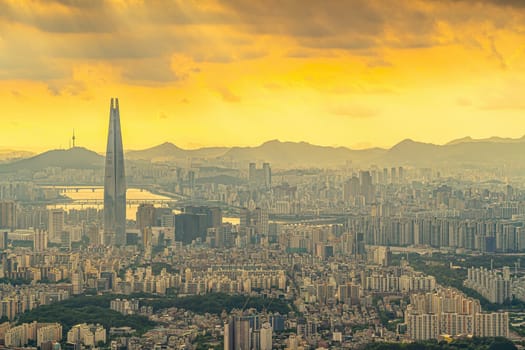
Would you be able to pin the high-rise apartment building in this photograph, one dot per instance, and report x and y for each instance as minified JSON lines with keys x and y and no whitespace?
{"x":266,"y":337}
{"x":267,"y":175}
{"x":8,"y":215}
{"x":448,"y":311}
{"x":367,"y":187}
{"x":260,"y":177}
{"x":145,"y":216}
{"x":3,"y":239}
{"x":40,"y":240}
{"x":257,"y":219}
{"x":49,"y":333}
{"x":494,"y":324}
{"x":56,"y":224}
{"x":243,"y":332}
{"x":114,"y":182}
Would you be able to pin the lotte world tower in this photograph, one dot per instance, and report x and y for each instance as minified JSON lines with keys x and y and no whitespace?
{"x":114,"y":182}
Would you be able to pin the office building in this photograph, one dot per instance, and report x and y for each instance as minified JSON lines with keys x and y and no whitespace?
{"x":190,"y":227}
{"x":145,"y":217}
{"x":213,"y":214}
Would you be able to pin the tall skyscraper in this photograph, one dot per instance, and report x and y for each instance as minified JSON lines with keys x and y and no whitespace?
{"x":260,"y":177}
{"x":114,"y":182}
{"x":367,"y":188}
{"x":267,"y":174}
{"x":55,"y":224}
{"x":145,"y":216}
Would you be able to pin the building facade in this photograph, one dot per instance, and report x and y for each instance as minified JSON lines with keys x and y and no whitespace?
{"x":114,"y":182}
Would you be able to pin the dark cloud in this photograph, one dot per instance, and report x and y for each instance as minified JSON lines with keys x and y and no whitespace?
{"x":85,"y":16}
{"x":155,"y":71}
{"x":66,"y":88}
{"x":252,"y":54}
{"x":150,"y":70}
{"x":378,"y":63}
{"x":69,"y":17}
{"x":355,"y":43}
{"x":65,"y":31}
{"x":496,"y":54}
{"x":213,"y":57}
{"x":82,"y":4}
{"x":120,"y":46}
{"x":511,"y":3}
{"x":308,"y":18}
{"x":30,"y":68}
{"x":347,"y":25}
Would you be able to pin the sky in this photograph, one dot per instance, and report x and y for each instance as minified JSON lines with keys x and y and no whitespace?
{"x":354,"y":73}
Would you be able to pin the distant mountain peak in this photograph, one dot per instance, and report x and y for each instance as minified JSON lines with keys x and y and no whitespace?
{"x":166,"y":145}
{"x":405,"y":143}
{"x":492,"y":139}
{"x":460,"y":140}
{"x":273,"y":142}
{"x":168,"y":151}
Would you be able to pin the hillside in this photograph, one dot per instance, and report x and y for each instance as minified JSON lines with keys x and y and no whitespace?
{"x":300,"y":154}
{"x":73,"y":158}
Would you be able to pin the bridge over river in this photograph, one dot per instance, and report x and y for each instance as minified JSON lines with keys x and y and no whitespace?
{"x":95,"y":202}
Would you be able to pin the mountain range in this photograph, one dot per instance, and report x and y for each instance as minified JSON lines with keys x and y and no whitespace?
{"x":168,"y":152}
{"x":465,"y":151}
{"x":461,"y":152}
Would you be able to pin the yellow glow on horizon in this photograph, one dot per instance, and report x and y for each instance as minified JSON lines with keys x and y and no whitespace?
{"x":226,"y":74}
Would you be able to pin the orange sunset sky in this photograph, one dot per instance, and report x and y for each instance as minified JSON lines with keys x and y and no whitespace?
{"x":354,"y":73}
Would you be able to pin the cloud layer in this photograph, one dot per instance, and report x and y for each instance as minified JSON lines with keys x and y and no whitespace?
{"x":354,"y":63}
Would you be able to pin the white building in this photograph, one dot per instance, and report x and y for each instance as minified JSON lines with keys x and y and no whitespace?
{"x":266,"y":337}
{"x":87,"y":334}
{"x":52,"y":332}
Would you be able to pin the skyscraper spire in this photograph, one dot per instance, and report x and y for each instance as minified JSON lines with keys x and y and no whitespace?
{"x":114,"y":182}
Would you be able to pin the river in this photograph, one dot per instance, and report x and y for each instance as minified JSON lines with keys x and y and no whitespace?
{"x":80,"y":194}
